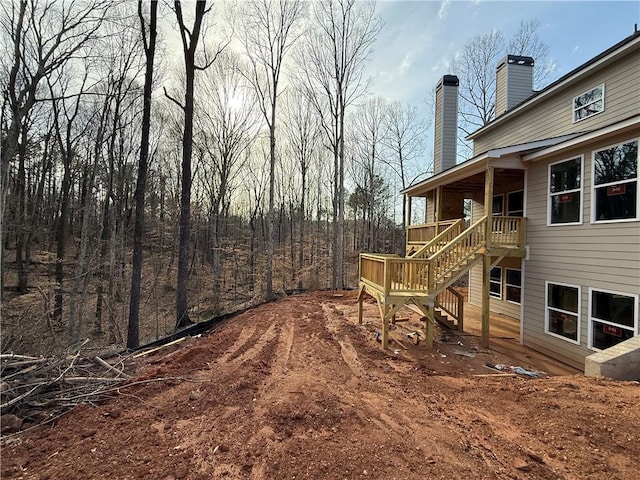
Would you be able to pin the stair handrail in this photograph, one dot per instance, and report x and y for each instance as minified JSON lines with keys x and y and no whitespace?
{"x":438,"y":238}
{"x":433,"y":277}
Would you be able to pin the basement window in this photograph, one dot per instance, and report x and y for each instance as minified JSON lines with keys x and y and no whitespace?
{"x":513,"y":285}
{"x":565,"y":192}
{"x":495,"y":283}
{"x":562,"y":313}
{"x":615,"y":183}
{"x":588,"y":104}
{"x":613,"y":318}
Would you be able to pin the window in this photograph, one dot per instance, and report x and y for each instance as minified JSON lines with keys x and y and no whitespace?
{"x":515,"y":203}
{"x":562,"y":316}
{"x":615,"y":183}
{"x":497,"y":207}
{"x":565,"y":192}
{"x":495,"y":283}
{"x":588,"y":104}
{"x":513,"y":284}
{"x":613,"y":318}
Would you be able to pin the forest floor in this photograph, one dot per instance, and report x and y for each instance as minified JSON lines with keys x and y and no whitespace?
{"x":296,"y":389}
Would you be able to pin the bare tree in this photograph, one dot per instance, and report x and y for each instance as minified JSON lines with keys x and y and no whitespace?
{"x":366,"y":134}
{"x":405,"y":140}
{"x":227,"y":121}
{"x":302,"y":132}
{"x":149,"y":45}
{"x":268,"y":31}
{"x":526,"y":41}
{"x":330,"y":72}
{"x":40,"y":37}
{"x":476,"y":69}
{"x":190,"y":37}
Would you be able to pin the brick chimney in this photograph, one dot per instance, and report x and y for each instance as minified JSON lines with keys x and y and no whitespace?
{"x":446,"y":124}
{"x":514,"y":82}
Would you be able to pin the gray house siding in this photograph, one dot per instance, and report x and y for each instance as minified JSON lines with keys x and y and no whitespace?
{"x":553,"y":116}
{"x":602,"y":256}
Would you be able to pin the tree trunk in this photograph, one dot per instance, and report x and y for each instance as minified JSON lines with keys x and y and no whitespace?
{"x":133,"y":330}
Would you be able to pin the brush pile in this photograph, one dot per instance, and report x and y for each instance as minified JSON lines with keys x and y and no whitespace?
{"x":36,"y":390}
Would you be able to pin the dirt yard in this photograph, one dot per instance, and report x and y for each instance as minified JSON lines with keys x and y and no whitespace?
{"x":298,"y":390}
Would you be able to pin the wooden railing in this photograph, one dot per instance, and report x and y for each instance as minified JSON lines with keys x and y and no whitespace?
{"x":423,"y":233}
{"x":391,"y":274}
{"x":461,"y":248}
{"x":452,"y":303}
{"x":442,"y":256}
{"x":507,"y":232}
{"x":440,"y":240}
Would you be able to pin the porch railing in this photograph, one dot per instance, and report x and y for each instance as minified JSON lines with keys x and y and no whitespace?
{"x":459,"y":250}
{"x":508,"y":232}
{"x":437,"y":261}
{"x":391,"y":274}
{"x":440,"y":240}
{"x":452,"y":303}
{"x":425,"y":232}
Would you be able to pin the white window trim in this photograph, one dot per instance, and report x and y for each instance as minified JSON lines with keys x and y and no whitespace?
{"x":546,"y":312}
{"x":495,"y":281}
{"x":549,"y":194}
{"x":573,"y":102}
{"x":508,"y":205}
{"x":635,"y":328}
{"x":506,"y":284}
{"x":594,"y":186}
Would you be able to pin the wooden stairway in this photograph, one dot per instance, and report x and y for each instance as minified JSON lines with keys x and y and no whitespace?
{"x":419,"y":278}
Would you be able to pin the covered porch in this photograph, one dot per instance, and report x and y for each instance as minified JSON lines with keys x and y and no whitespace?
{"x":472,"y":217}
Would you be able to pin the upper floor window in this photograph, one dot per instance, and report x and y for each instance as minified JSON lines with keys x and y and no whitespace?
{"x":497,"y":206}
{"x":565,"y":192}
{"x":615,"y":183}
{"x":589,"y":103}
{"x":515,"y":203}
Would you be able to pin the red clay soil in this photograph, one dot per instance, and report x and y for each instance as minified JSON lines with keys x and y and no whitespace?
{"x":297,"y":389}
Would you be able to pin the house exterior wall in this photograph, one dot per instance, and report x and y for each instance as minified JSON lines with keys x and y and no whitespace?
{"x":553,"y":116}
{"x":603,"y":256}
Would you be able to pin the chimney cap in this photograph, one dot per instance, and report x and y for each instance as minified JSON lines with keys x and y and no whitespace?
{"x":450,"y":80}
{"x":516,"y":60}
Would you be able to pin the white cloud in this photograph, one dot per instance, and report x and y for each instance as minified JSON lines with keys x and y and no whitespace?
{"x":575,"y":50}
{"x":444,"y":8}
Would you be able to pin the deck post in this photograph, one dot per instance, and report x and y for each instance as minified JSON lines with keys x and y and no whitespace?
{"x":360,"y":300}
{"x":429,"y":326}
{"x":486,"y":275}
{"x":385,"y":327}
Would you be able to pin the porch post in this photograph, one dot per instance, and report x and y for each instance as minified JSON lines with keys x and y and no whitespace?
{"x":486,"y":275}
{"x":407,"y":223}
{"x":438,"y":206}
{"x":486,"y":259}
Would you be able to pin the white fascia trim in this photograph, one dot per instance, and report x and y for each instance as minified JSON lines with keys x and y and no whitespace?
{"x":631,"y":122}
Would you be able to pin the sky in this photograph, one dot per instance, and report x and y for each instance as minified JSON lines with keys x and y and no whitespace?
{"x":420,"y":37}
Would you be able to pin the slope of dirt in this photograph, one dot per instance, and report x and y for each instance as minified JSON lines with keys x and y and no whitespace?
{"x":296,"y":389}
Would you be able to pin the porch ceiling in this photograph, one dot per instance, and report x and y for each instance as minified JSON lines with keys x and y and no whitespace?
{"x":475,"y":183}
